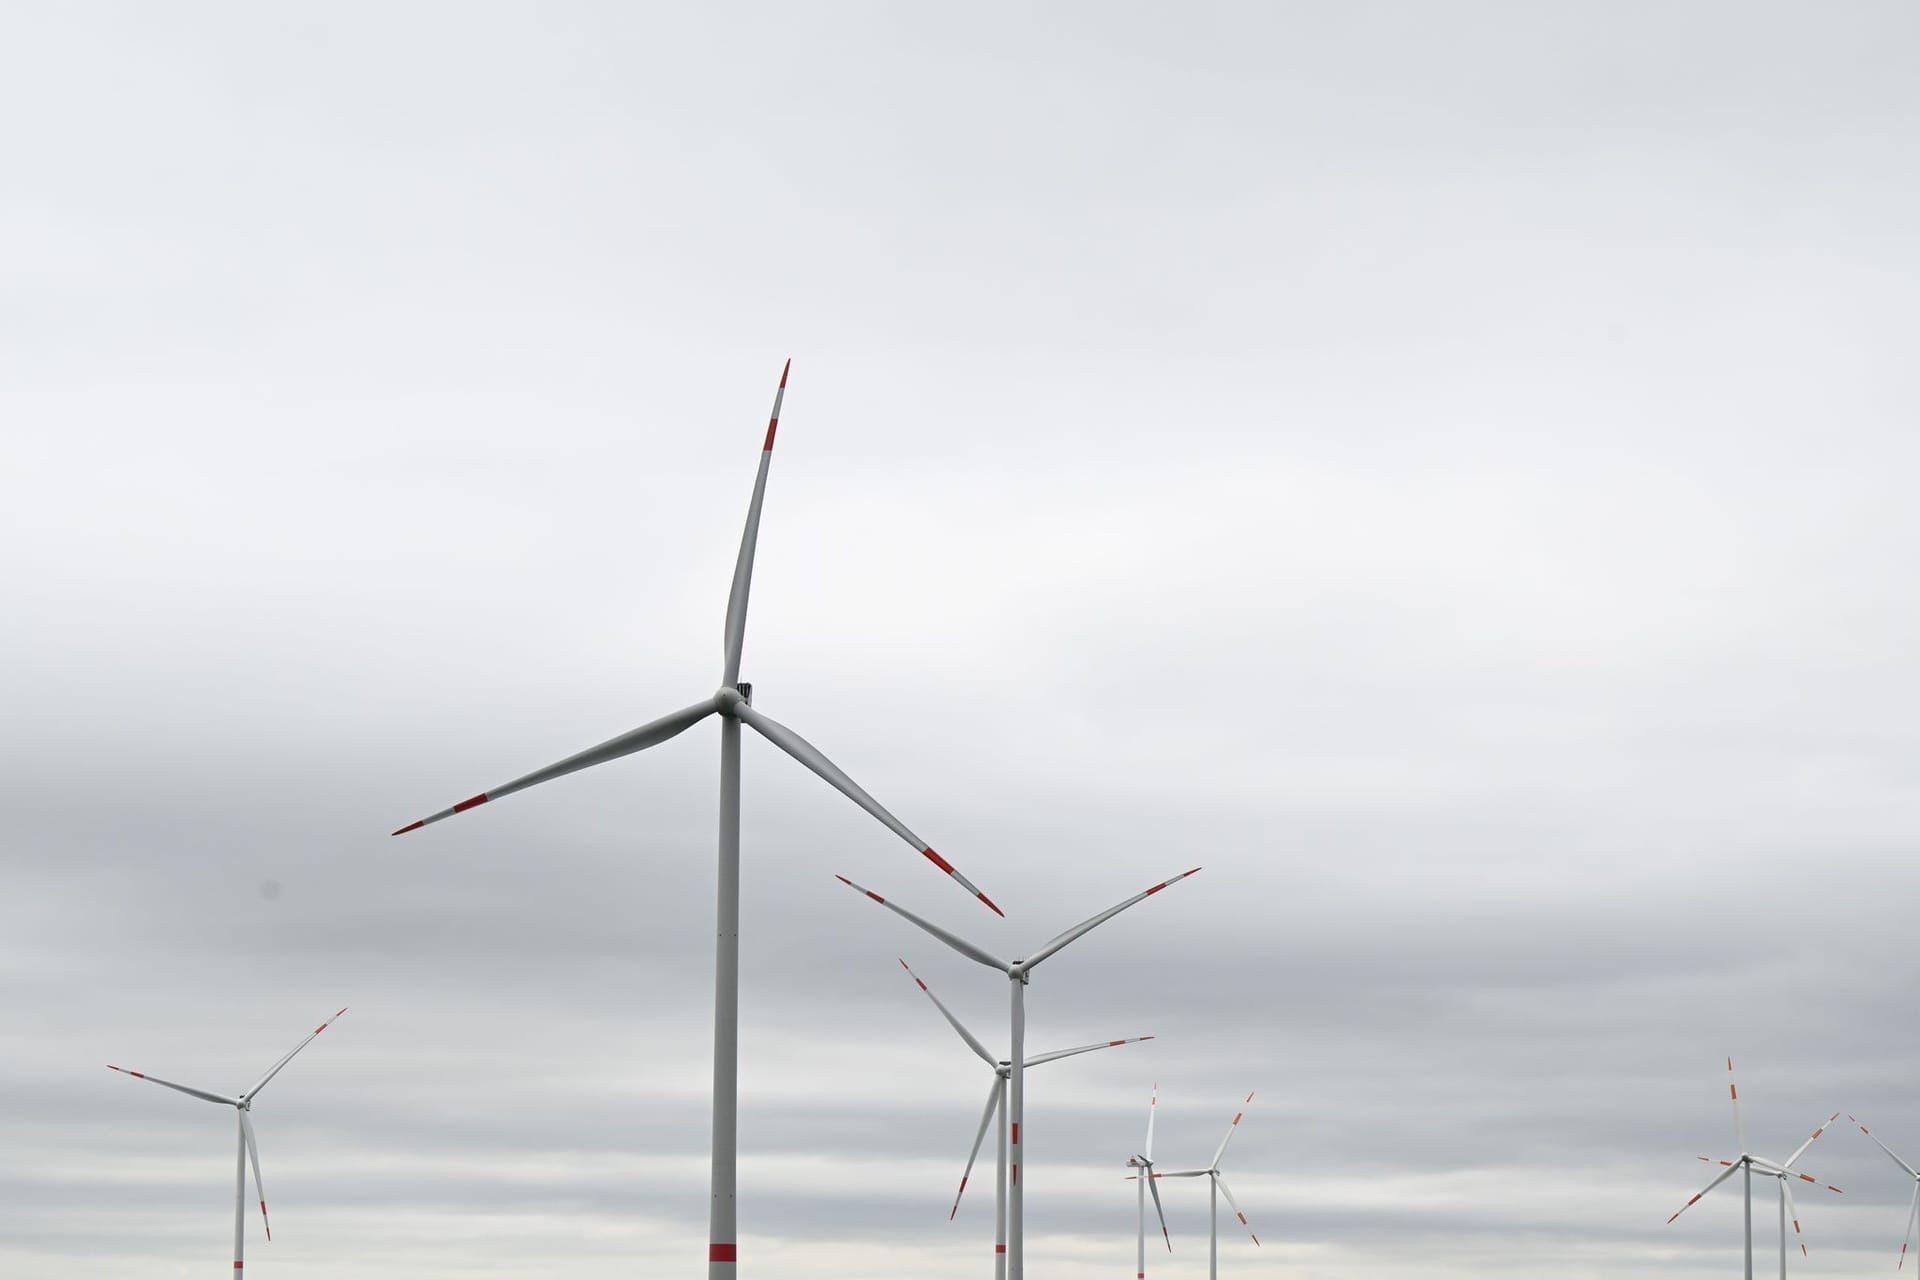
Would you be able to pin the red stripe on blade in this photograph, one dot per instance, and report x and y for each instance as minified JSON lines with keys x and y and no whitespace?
{"x":938,"y":861}
{"x":721,"y":1253}
{"x":411,"y":826}
{"x":465,"y":805}
{"x":990,"y":905}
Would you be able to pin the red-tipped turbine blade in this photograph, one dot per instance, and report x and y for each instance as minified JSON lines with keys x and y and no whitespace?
{"x":647,"y":735}
{"x":810,"y":756}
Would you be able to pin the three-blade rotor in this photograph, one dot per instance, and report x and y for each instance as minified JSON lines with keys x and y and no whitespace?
{"x":1782,"y":1170}
{"x":1000,"y":1069}
{"x":1913,"y":1209}
{"x":1213,"y":1169}
{"x":243,"y":1103}
{"x":729,"y":700}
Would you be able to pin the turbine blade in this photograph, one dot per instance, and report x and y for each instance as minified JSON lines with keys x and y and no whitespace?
{"x":1733,"y":1092}
{"x":1802,"y":1148}
{"x":1185,"y":1173}
{"x":1913,"y":1215}
{"x":1911,"y":1171}
{"x":749,"y":539}
{"x":1793,"y":1211}
{"x":1086,"y":925}
{"x":253,"y":1154}
{"x":274,"y":1070}
{"x":972,"y":1042}
{"x":1153,"y":1105}
{"x":1222,"y":1183}
{"x":1057,"y":1054}
{"x":168,"y":1084}
{"x":1724,"y":1175}
{"x":986,"y":1120}
{"x":1154,"y":1187}
{"x":1234,"y":1125}
{"x":647,"y":735}
{"x":809,"y":755}
{"x":1807,"y":1177}
{"x":958,"y":943}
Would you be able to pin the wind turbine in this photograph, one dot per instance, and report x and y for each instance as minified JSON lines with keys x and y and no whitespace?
{"x":249,"y":1145}
{"x":1144,"y":1163}
{"x":732,"y":702}
{"x":1218,"y":1188}
{"x":997,"y":1105}
{"x":1912,"y":1213}
{"x":1017,"y":972}
{"x":1747,"y":1164}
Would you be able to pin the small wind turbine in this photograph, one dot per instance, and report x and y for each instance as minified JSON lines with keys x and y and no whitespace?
{"x":1218,"y":1183}
{"x":1914,"y":1212}
{"x":1017,"y":972}
{"x":997,"y":1105}
{"x":249,"y":1145}
{"x":732,"y":702}
{"x":1144,"y":1163}
{"x":1748,"y":1164}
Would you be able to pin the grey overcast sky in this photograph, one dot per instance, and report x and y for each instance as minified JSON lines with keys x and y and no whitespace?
{"x":1444,"y":468}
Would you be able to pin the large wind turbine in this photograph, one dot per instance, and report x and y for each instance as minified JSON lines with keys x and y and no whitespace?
{"x":997,"y":1105}
{"x":1017,"y":972}
{"x":1913,"y":1213}
{"x":732,"y":702}
{"x":1218,"y":1188}
{"x":249,"y":1145}
{"x":1144,"y":1163}
{"x":1747,"y":1164}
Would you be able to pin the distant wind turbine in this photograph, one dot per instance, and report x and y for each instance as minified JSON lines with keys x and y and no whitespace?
{"x":1017,"y":972}
{"x":1218,"y":1188}
{"x":732,"y":702}
{"x":997,"y":1106}
{"x":1748,"y":1164}
{"x":1913,"y":1213}
{"x":1144,"y":1163}
{"x":249,"y":1145}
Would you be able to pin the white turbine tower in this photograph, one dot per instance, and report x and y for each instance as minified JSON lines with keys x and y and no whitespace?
{"x":1017,"y":972}
{"x":1913,"y":1213}
{"x":1218,"y":1188}
{"x":1144,"y":1163}
{"x":732,"y":703}
{"x":249,"y":1145}
{"x":1747,"y":1164}
{"x":997,"y":1105}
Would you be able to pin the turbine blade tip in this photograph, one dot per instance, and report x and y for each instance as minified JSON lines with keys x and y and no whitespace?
{"x":411,"y":826}
{"x":991,"y":905}
{"x":785,"y":369}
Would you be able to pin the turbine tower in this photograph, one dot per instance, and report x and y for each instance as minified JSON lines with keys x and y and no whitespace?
{"x":1747,"y":1164}
{"x":997,"y":1105}
{"x":732,"y":702}
{"x":1017,"y":972}
{"x":249,"y":1145}
{"x":1217,"y":1188}
{"x":1913,"y":1213}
